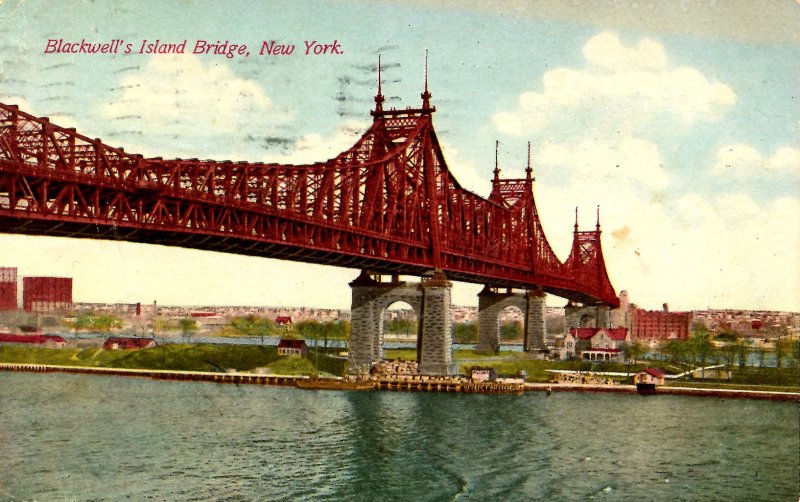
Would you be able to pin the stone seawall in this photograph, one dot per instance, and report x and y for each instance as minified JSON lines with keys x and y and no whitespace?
{"x":424,"y":384}
{"x":676,"y":391}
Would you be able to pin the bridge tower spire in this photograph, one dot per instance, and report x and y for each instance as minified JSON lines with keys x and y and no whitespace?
{"x":426,"y":96}
{"x":576,"y":219}
{"x":529,"y":170}
{"x":496,"y":161}
{"x":598,"y":218}
{"x":379,"y":97}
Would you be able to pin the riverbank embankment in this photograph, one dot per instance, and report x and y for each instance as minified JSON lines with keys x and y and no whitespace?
{"x":446,"y":384}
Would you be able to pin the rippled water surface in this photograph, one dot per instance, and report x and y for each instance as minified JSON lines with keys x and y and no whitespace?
{"x":79,"y":437}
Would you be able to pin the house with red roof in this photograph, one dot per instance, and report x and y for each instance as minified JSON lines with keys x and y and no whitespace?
{"x":290,"y":347}
{"x":595,"y":344}
{"x":49,"y":341}
{"x":284,"y":321}
{"x":117,"y":343}
{"x":647,"y":379}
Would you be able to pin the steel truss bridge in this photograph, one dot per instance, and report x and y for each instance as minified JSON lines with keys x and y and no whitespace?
{"x":389,"y":204}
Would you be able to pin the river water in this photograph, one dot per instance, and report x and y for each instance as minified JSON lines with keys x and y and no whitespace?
{"x":82,"y":437}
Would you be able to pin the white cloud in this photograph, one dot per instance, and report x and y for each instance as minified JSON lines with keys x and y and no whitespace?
{"x":606,"y":51}
{"x":617,"y":160}
{"x":318,"y":148}
{"x":21,"y":102}
{"x":693,"y":251}
{"x":743,"y":160}
{"x":464,"y":170}
{"x":177,"y":97}
{"x":689,"y":249}
{"x":621,"y":87}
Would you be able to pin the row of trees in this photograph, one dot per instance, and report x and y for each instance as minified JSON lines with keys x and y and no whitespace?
{"x":323,"y":331}
{"x":91,"y":322}
{"x":701,"y":350}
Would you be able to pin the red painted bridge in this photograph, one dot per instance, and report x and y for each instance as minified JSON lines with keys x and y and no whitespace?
{"x":389,"y":204}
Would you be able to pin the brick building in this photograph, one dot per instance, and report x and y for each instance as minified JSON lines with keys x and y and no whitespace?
{"x":650,"y":325}
{"x":8,"y":288}
{"x":46,"y":294}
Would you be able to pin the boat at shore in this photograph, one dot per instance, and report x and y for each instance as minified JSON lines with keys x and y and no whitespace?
{"x":333,"y":384}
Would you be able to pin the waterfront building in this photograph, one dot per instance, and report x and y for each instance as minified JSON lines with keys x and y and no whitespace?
{"x":595,"y":344}
{"x":647,"y":380}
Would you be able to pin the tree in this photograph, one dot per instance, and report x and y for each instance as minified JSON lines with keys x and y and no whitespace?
{"x":511,"y":330}
{"x":675,"y":350}
{"x":465,"y":332}
{"x":79,"y":322}
{"x":762,"y":356}
{"x":337,"y":330}
{"x":310,"y":329}
{"x":701,"y":349}
{"x":162,"y":324}
{"x":699,"y":328}
{"x":728,"y":353}
{"x":742,"y":351}
{"x":254,"y":326}
{"x":89,"y":321}
{"x":783,"y":347}
{"x":795,"y":352}
{"x":634,"y":350}
{"x":401,"y":326}
{"x":188,"y":327}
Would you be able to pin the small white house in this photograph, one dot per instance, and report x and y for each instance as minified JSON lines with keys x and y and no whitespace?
{"x":647,"y":380}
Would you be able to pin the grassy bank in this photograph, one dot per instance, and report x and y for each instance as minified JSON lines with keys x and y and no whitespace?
{"x":180,"y":357}
{"x":211,"y":357}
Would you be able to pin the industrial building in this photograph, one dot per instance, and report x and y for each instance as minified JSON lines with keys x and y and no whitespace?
{"x":46,"y":294}
{"x":8,"y":288}
{"x":652,"y":325}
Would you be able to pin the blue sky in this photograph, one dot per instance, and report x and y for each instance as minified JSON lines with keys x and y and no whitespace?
{"x":679,"y":119}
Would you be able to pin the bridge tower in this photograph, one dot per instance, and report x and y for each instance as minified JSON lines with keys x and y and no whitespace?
{"x":516,"y":194}
{"x":430,"y":300}
{"x":531,"y":303}
{"x":585,"y":249}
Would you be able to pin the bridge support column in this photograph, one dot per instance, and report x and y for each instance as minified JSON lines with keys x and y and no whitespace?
{"x":365,"y":327}
{"x":435,"y":353}
{"x":534,"y":314}
{"x":587,"y":316}
{"x":430,"y":300}
{"x":535,"y":321}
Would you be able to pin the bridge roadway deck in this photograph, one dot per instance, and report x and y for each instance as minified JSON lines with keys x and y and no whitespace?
{"x":228,"y":243}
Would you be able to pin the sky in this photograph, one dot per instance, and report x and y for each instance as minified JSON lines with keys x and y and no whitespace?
{"x":680,"y":119}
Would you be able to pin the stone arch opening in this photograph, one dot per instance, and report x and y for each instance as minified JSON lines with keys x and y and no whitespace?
{"x":511,"y":324}
{"x":399,"y":329}
{"x":430,"y":301}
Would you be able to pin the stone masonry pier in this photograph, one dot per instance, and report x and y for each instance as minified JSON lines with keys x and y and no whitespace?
{"x":534,"y":313}
{"x":430,"y":300}
{"x":587,"y":316}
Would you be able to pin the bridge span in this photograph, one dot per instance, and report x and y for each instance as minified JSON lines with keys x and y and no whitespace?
{"x":388,"y":205}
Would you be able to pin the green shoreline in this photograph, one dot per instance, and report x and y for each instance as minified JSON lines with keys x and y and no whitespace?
{"x":433,"y":384}
{"x":265,"y":360}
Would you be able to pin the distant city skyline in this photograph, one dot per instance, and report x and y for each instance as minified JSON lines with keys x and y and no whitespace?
{"x":680,"y":123}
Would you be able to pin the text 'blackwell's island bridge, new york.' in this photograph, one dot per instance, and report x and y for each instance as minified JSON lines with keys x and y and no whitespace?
{"x":389,"y":206}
